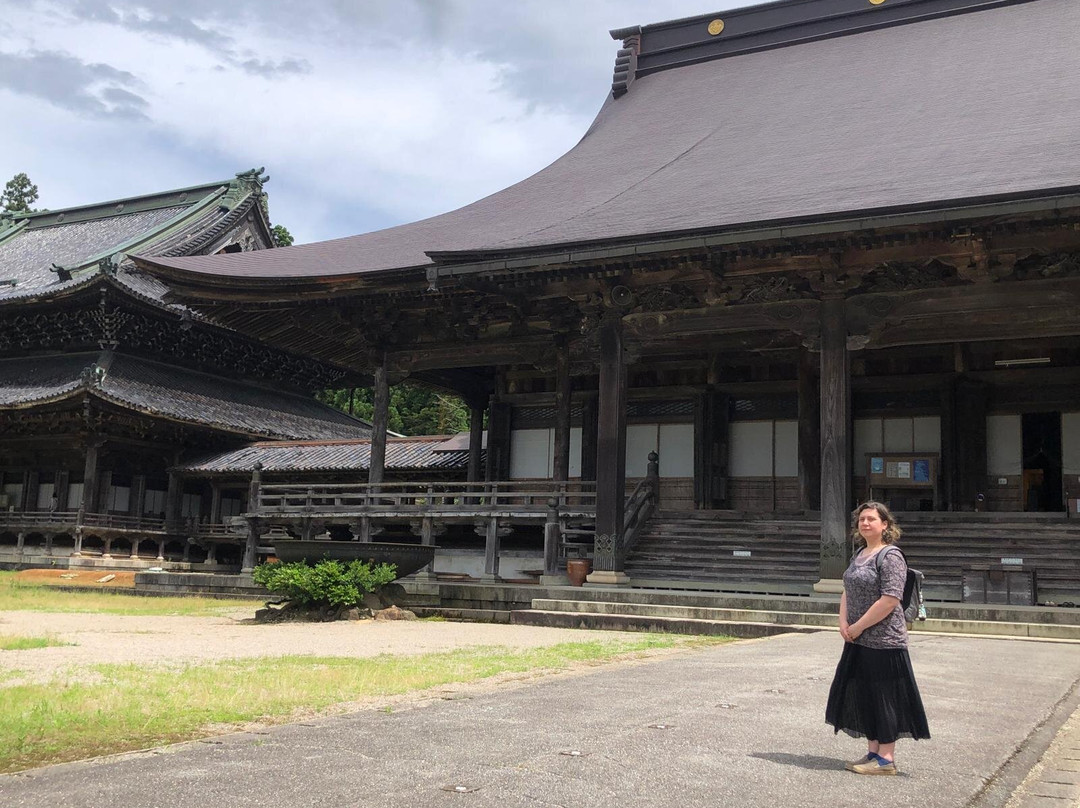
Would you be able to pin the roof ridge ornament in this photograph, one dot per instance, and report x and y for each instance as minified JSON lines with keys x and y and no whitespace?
{"x":625,"y":59}
{"x":246,"y":182}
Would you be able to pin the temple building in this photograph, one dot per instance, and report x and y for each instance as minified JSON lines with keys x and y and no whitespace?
{"x":107,"y":386}
{"x":808,"y":252}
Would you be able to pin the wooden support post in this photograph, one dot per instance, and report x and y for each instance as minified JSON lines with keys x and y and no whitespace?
{"x":106,"y":550}
{"x":379,"y":421}
{"x":49,"y":543}
{"x":62,"y":489}
{"x":427,"y":538}
{"x":138,"y":495}
{"x":363,"y":532}
{"x":498,"y":448}
{"x":211,"y":553}
{"x":610,"y":457}
{"x":173,"y":500}
{"x":20,"y":542}
{"x":251,"y":545}
{"x":710,"y":449}
{"x":135,"y":547}
{"x":215,"y":503}
{"x":809,"y":434}
{"x":31,"y":481}
{"x":590,"y":411}
{"x":835,"y":445}
{"x":561,"y":470}
{"x":553,"y":575}
{"x":476,"y":443}
{"x":160,"y":550}
{"x":90,"y":477}
{"x":969,"y":468}
{"x":491,"y":550}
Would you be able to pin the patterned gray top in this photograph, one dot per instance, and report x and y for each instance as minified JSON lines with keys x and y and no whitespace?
{"x":863,"y":586}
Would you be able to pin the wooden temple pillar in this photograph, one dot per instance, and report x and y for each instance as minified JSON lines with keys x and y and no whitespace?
{"x":964,"y":443}
{"x":379,"y":422}
{"x":255,"y":526}
{"x":31,"y":484}
{"x":590,"y":413}
{"x":89,"y":489}
{"x":137,"y":496}
{"x":711,"y":427}
{"x":610,"y":457}
{"x":835,"y":444}
{"x":215,"y":502}
{"x":173,"y":501}
{"x":62,"y":489}
{"x":498,"y":444}
{"x":809,"y":434}
{"x":561,"y":469}
{"x":476,"y":443}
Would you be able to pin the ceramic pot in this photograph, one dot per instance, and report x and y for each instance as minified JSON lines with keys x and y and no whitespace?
{"x":577,"y":569}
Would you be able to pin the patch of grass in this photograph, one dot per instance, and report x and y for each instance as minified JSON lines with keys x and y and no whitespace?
{"x":133,"y":707}
{"x":9,"y":642}
{"x":18,"y":596}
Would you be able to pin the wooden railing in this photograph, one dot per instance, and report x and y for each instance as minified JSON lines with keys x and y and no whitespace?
{"x":639,"y":507}
{"x":38,"y":518}
{"x":120,"y":522}
{"x":71,"y":520}
{"x":526,"y":496}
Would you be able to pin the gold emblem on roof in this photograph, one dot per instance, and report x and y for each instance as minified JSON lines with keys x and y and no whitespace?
{"x":876,"y":2}
{"x":716,"y":26}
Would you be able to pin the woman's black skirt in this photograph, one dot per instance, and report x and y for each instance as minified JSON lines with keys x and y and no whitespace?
{"x":874,"y":695}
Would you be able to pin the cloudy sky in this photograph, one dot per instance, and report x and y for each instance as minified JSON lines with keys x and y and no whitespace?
{"x":365,"y":113}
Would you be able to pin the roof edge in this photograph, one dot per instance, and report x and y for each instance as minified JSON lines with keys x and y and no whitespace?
{"x":690,"y":40}
{"x":1050,"y":200}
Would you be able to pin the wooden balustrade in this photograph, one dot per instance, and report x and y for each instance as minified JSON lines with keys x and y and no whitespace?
{"x":482,"y":498}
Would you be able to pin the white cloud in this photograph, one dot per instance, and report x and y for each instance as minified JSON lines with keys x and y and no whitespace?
{"x":365,"y":115}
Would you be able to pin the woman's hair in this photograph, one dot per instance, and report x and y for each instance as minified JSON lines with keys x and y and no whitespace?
{"x":891,"y":534}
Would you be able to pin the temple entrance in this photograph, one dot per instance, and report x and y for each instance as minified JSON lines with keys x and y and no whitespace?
{"x":1041,"y":433}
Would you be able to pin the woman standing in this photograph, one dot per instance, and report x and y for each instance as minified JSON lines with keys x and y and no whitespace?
{"x":874,"y":695}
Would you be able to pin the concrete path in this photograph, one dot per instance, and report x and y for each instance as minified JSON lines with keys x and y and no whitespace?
{"x":738,"y":725}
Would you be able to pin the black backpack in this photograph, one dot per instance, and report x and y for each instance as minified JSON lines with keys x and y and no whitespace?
{"x":912,"y":601}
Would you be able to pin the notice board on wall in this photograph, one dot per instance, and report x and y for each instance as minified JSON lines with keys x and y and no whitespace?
{"x":895,"y":470}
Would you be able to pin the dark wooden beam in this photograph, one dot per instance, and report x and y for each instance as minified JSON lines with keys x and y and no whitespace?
{"x":809,"y":433}
{"x":476,"y":439}
{"x":561,"y":471}
{"x":379,"y":421}
{"x":835,"y":442}
{"x":610,"y":456}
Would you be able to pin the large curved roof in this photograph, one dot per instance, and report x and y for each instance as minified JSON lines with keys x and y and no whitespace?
{"x":982,"y":104}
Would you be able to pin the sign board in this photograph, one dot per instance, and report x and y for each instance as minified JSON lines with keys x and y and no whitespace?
{"x":892,"y":470}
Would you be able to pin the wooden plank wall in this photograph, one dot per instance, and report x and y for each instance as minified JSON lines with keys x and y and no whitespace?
{"x":764,"y":494}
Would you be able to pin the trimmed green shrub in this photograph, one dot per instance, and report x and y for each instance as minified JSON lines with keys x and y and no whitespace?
{"x":327,"y":583}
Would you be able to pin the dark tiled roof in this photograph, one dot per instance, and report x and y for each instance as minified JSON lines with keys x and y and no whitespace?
{"x":974,"y":105}
{"x":402,"y":454}
{"x":170,"y":392}
{"x":25,"y":382}
{"x":27,"y":257}
{"x":179,"y":222}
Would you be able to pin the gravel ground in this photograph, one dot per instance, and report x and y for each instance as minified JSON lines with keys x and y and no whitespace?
{"x":103,"y":638}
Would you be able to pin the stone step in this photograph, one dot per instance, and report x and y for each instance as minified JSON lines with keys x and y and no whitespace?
{"x":670,"y":625}
{"x":818,"y":619}
{"x":798,"y":619}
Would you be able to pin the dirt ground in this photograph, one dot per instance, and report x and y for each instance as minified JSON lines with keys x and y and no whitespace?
{"x":88,"y":579}
{"x":104,"y":638}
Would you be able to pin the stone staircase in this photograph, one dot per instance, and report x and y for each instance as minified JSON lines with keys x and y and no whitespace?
{"x":759,"y":616}
{"x":726,"y":550}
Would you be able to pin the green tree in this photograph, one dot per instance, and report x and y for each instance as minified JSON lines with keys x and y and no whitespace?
{"x":282,"y":237}
{"x":18,"y":194}
{"x":414,"y":409}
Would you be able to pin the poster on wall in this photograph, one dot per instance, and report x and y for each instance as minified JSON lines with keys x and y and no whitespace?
{"x":903,"y":470}
{"x":922,"y":471}
{"x":877,"y":465}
